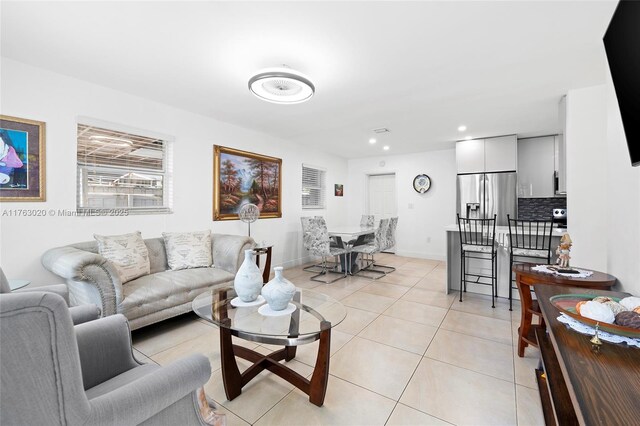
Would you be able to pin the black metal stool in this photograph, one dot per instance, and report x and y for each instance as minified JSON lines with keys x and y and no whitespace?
{"x":477,"y":241}
{"x":528,"y":240}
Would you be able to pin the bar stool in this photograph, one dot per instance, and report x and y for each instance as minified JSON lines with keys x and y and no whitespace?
{"x":528,"y":240}
{"x":477,"y":241}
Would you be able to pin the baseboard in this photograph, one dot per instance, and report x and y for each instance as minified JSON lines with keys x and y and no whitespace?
{"x":420,"y":255}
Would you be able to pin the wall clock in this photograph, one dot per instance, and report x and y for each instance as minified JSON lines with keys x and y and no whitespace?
{"x":421,"y":183}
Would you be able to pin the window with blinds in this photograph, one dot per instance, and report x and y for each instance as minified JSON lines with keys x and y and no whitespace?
{"x":121,"y":170}
{"x":313,"y":187}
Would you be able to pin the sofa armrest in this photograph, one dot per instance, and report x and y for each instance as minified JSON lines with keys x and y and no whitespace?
{"x":228,"y":251}
{"x":105,"y":349}
{"x":80,"y":266}
{"x":139,"y":400}
{"x":59,"y":289}
{"x":84,"y":313}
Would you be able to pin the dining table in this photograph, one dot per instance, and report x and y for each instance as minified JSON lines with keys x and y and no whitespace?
{"x":347,"y":237}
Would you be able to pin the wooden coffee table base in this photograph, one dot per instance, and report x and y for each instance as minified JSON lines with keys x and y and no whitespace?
{"x":234,"y":381}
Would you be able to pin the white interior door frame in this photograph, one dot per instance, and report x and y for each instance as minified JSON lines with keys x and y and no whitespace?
{"x":367,"y":191}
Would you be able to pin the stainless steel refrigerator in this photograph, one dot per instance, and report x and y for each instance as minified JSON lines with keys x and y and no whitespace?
{"x":482,"y":195}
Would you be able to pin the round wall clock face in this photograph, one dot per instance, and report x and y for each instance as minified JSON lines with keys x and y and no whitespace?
{"x":422,"y":183}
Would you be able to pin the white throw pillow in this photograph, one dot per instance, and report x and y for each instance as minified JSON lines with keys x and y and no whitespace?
{"x":128,"y":253}
{"x":188,"y":249}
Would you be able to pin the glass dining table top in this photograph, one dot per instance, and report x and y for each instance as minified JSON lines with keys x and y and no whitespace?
{"x":313,"y":310}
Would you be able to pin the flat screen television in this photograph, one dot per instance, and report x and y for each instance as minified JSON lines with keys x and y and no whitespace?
{"x":622,"y":44}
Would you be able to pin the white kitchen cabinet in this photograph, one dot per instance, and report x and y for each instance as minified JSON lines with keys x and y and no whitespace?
{"x":500,"y":154}
{"x":536,"y":167}
{"x":560,"y":150}
{"x":487,"y":155}
{"x":470,"y":156}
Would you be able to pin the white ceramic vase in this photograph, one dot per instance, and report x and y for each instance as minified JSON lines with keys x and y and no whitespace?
{"x":279,"y":291}
{"x":248,"y":281}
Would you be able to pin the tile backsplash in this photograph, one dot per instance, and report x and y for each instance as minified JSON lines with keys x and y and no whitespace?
{"x":539,"y":208}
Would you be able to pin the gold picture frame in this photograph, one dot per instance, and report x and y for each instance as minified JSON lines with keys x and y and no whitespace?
{"x":22,"y":159}
{"x":241,"y":177}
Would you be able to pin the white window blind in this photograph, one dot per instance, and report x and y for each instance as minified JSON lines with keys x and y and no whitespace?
{"x":122,"y":170}
{"x":313,"y":187}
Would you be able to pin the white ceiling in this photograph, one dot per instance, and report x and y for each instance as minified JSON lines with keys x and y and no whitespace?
{"x":418,"y":68}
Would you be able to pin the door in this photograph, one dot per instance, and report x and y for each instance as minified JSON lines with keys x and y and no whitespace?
{"x":470,"y":156}
{"x":500,"y":154}
{"x":382,"y":197}
{"x":470,"y":196}
{"x":536,"y":167}
{"x":500,"y":193}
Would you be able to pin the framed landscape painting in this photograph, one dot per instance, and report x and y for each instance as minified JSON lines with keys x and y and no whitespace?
{"x":241,"y":177}
{"x":22,"y":172}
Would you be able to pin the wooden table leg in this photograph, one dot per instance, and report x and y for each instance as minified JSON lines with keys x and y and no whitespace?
{"x":320,"y":377}
{"x":231,"y":377}
{"x":267,"y":263}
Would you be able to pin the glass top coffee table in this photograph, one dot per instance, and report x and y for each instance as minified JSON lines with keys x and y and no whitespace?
{"x":314,"y":316}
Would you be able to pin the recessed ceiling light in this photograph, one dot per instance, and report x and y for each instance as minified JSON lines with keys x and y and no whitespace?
{"x":281,"y":86}
{"x":386,"y":147}
{"x":462,"y":128}
{"x":372,"y":141}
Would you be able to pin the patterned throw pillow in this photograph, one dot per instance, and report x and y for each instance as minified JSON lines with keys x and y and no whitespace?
{"x":128,"y":253}
{"x":188,"y":249}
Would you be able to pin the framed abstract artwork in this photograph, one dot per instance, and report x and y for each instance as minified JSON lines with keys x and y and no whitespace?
{"x":241,"y":177}
{"x":22,"y":159}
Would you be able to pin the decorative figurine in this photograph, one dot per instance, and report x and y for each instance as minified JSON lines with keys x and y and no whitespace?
{"x":563,"y":251}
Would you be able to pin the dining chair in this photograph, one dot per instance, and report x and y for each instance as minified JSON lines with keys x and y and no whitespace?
{"x":390,"y":242}
{"x":367,"y":220}
{"x":369,"y":250}
{"x":320,"y":245}
{"x":528,"y":240}
{"x":306,"y":242}
{"x":477,"y":241}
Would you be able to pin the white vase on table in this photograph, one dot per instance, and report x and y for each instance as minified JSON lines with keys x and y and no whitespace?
{"x":279,"y":291}
{"x":248,"y":281}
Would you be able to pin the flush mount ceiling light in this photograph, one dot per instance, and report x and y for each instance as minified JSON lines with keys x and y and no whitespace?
{"x":281,"y":86}
{"x":372,"y":141}
{"x":462,"y":128}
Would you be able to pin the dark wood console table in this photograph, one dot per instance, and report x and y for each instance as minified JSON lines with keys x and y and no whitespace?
{"x":577,"y":384}
{"x":527,"y":277}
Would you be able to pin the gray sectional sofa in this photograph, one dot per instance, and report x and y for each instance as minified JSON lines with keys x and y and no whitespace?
{"x":151,"y":298}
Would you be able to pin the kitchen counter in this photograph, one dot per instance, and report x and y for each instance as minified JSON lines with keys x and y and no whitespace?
{"x":504,"y":273}
{"x":505,"y":230}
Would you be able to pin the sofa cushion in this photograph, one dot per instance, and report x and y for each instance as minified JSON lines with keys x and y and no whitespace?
{"x":188,"y":249}
{"x":128,"y":254}
{"x":164,"y":290}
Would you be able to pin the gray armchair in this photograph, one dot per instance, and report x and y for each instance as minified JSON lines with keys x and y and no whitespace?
{"x":55,"y":373}
{"x":79,"y":314}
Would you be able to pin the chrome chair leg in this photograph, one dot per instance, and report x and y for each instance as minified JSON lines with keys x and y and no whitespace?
{"x":325,"y":271}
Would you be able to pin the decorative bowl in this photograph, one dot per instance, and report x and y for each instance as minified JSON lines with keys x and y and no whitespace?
{"x":566,"y":303}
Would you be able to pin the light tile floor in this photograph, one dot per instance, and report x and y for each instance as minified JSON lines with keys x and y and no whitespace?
{"x":407,"y":354}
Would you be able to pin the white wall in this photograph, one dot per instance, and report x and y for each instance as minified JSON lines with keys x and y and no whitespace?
{"x":421,"y":227}
{"x":603,"y":200}
{"x":587,"y":176}
{"x":623,"y":192}
{"x":58,"y":100}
